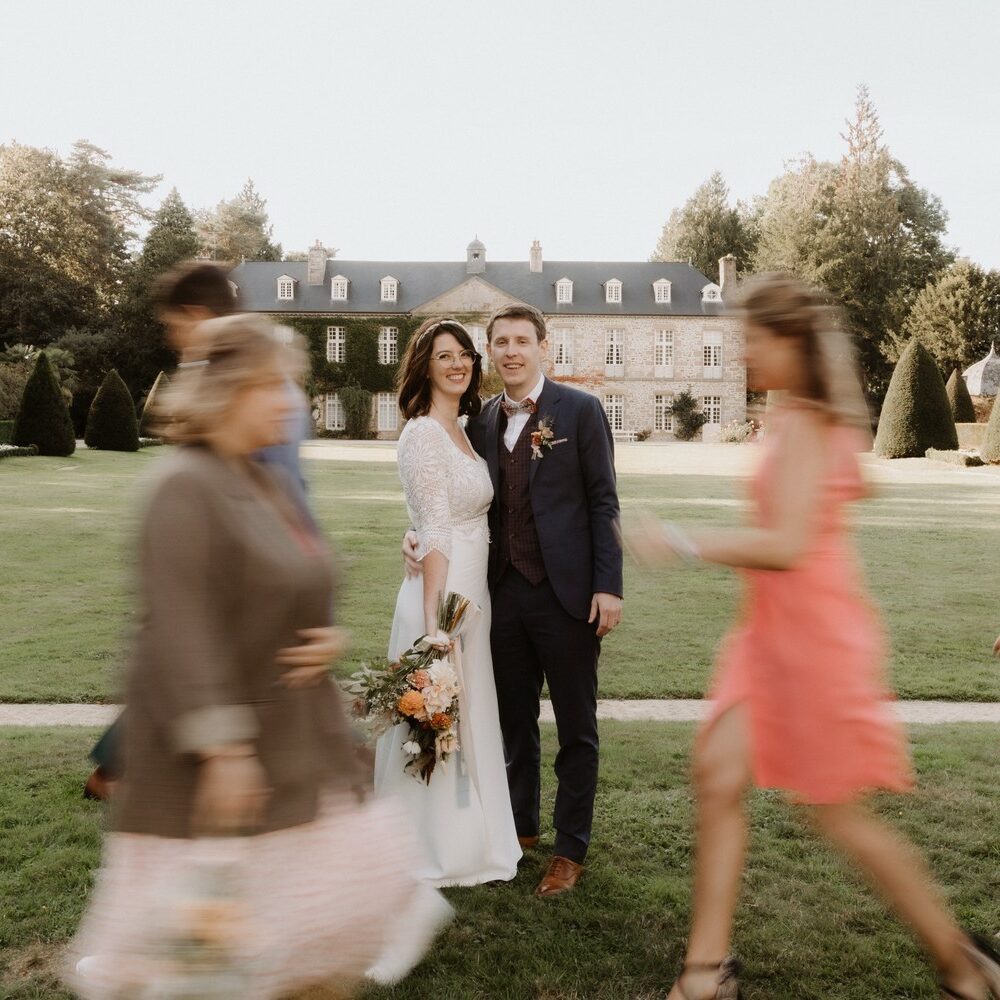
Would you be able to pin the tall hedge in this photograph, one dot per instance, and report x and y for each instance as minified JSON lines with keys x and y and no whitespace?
{"x":159,"y":386}
{"x":43,"y":418}
{"x":916,"y":414}
{"x":111,"y":423}
{"x":357,"y":404}
{"x":958,"y":397}
{"x":989,"y":450}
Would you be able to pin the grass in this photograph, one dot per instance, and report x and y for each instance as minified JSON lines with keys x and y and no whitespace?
{"x":806,"y":927}
{"x":65,"y":531}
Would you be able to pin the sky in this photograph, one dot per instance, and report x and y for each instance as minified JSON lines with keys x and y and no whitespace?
{"x":402,"y":129}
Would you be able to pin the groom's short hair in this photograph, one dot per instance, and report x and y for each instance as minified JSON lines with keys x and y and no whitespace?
{"x":518,"y":311}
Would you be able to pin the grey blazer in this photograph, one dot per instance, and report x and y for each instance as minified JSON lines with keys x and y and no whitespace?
{"x":224,"y":583}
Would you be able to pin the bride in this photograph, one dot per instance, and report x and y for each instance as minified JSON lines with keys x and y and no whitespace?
{"x":463,"y":815}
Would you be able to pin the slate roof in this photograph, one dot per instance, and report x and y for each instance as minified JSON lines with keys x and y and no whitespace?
{"x":421,"y":281}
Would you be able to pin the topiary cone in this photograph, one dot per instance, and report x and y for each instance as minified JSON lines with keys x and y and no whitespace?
{"x":989,"y":450}
{"x":958,"y":397}
{"x":916,"y":414}
{"x":43,"y":418}
{"x":148,"y":410}
{"x":111,"y":423}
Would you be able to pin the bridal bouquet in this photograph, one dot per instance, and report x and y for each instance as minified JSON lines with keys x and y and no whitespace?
{"x":420,"y":691}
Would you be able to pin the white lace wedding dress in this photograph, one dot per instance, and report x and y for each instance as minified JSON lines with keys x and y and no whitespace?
{"x":463,"y":816}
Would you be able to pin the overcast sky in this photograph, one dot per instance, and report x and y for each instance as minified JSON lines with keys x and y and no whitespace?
{"x":400,"y":129}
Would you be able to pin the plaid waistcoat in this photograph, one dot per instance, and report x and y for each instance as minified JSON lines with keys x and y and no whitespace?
{"x":518,"y":543}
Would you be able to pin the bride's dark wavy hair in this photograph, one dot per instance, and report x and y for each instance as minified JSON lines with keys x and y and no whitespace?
{"x":414,"y":382}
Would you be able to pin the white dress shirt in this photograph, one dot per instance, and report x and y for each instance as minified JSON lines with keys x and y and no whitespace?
{"x":515,"y":423}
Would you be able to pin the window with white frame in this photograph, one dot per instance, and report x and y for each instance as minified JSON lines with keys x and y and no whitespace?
{"x":663,"y":353}
{"x":336,"y":419}
{"x":338,"y":288}
{"x":390,"y":289}
{"x":661,"y":292}
{"x":711,"y":352}
{"x":336,"y":344}
{"x":711,"y":406}
{"x":613,"y":291}
{"x":614,"y":352}
{"x":286,"y":288}
{"x":478,"y":335}
{"x":663,"y":418}
{"x":564,"y":291}
{"x":388,"y":345}
{"x":614,"y":407}
{"x":711,"y":293}
{"x":388,"y":411}
{"x":562,"y":352}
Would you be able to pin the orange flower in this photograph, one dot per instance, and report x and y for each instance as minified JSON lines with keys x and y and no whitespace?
{"x":440,"y":720}
{"x":411,"y":703}
{"x":419,"y":679}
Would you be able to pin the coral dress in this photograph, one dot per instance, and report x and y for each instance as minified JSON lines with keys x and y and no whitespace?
{"x":806,"y":658}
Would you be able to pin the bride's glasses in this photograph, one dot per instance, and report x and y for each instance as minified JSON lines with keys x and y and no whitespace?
{"x":448,"y":357}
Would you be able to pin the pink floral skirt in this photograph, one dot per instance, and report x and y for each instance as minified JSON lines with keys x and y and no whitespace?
{"x":256,"y":917}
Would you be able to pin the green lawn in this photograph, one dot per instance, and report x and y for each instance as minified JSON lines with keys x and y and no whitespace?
{"x":65,"y":530}
{"x":807,"y":929}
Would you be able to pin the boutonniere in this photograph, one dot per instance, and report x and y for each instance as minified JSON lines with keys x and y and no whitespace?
{"x":544,"y":438}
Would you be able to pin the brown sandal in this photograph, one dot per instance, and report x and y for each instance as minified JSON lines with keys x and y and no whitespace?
{"x":727,"y":984}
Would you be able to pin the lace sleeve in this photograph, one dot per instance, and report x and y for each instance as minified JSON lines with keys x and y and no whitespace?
{"x":423,"y":469}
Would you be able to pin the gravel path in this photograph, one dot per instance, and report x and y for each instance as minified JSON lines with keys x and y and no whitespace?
{"x":677,"y":710}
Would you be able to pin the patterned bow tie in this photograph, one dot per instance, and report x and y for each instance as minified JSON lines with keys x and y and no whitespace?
{"x":525,"y":406}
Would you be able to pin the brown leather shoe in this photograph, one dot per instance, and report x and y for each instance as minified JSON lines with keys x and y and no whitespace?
{"x":561,"y":877}
{"x":527,"y":843}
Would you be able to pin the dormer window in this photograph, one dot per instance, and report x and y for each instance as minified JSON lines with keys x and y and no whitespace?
{"x":711,"y":293}
{"x":661,"y":292}
{"x":564,"y":291}
{"x":613,"y":291}
{"x":286,"y":288}
{"x":338,"y":288}
{"x":390,"y":289}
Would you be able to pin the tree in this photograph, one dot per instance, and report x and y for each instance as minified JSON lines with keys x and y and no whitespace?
{"x":989,"y":450}
{"x":149,"y":409}
{"x":111,"y":424}
{"x":238,"y":229}
{"x":68,"y":225}
{"x":688,"y":419}
{"x":959,"y":399}
{"x":43,"y":417}
{"x":956,"y":316}
{"x":171,"y":238}
{"x":357,"y":403}
{"x":861,"y":230}
{"x":916,"y":414}
{"x":705,"y":229}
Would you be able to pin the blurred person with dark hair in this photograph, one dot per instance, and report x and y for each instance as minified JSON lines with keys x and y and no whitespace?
{"x":184,"y":297}
{"x":223,"y":737}
{"x":799,"y":699}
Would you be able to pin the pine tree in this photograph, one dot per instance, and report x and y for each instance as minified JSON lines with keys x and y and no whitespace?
{"x":43,"y":418}
{"x":111,"y":423}
{"x":238,"y":229}
{"x":705,"y":229}
{"x":916,"y":414}
{"x":959,"y":399}
{"x":171,"y":238}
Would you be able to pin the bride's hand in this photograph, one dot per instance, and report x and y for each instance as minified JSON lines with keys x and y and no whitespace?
{"x":409,"y":550}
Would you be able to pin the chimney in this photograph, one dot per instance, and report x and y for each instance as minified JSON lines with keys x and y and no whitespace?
{"x":727,"y":274}
{"x":535,"y":258}
{"x":317,"y":264}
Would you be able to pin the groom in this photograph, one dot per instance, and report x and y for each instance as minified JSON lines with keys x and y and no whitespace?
{"x":555,"y":577}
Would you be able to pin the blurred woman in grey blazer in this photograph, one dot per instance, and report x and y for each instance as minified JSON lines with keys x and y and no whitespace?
{"x":224,"y":739}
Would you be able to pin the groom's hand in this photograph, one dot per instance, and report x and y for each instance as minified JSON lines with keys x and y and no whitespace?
{"x":606,"y":610}
{"x":409,"y":549}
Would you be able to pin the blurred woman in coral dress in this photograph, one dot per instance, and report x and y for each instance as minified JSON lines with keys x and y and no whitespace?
{"x":799,"y":700}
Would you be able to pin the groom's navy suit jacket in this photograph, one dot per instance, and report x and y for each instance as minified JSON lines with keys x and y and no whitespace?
{"x":573,"y":493}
